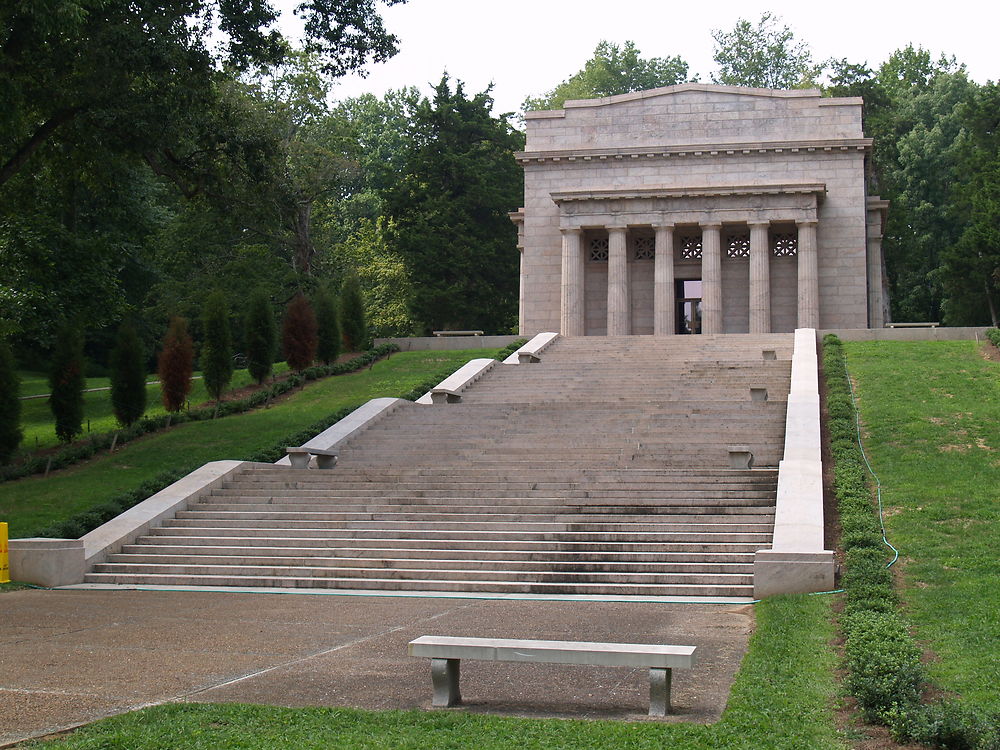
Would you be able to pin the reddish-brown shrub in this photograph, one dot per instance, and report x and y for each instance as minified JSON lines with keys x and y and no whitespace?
{"x":175,"y":365}
{"x":299,"y":333}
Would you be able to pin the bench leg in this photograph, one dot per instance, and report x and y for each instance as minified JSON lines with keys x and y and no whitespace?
{"x":299,"y":460}
{"x":659,"y":691}
{"x":326,"y":462}
{"x":444,"y":676}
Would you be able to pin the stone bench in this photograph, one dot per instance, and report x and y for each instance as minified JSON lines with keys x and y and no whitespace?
{"x":458,"y":333}
{"x":913,"y":325}
{"x":299,"y":457}
{"x":531,"y":352}
{"x":450,"y":389}
{"x":446,"y":653}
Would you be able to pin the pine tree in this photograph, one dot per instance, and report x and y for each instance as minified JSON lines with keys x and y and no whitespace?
{"x":128,"y":376}
{"x":261,"y":335}
{"x":298,"y":333}
{"x":217,"y":349}
{"x":352,"y":314}
{"x":175,"y":365}
{"x":10,"y":405}
{"x":328,"y":323}
{"x":66,"y":383}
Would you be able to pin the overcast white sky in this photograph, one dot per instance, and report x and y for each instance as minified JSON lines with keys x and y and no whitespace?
{"x":526,"y":47}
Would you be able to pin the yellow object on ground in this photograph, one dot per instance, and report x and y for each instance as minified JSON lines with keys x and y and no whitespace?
{"x":4,"y":564}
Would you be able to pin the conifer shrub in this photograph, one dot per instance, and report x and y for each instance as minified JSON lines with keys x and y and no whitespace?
{"x":217,"y":349}
{"x":299,"y":333}
{"x":261,"y":336}
{"x":175,"y":365}
{"x":352,"y":314}
{"x":128,"y":376}
{"x":328,"y":327}
{"x":10,"y":405}
{"x":66,"y":383}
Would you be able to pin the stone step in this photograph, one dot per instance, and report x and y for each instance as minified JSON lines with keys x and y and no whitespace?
{"x":702,"y":544}
{"x":385,"y":563}
{"x":375,"y":584}
{"x":486,"y":515}
{"x":208,"y":520}
{"x":472,"y":556}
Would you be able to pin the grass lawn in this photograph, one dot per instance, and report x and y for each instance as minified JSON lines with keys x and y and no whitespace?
{"x":781,"y":699}
{"x":931,"y":414}
{"x":33,"y":503}
{"x":36,"y":417}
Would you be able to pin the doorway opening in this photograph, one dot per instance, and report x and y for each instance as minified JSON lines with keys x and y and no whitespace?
{"x":688,"y":296}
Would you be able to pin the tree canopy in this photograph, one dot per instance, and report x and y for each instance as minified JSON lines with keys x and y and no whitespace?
{"x":765,"y":55}
{"x":613,"y":70}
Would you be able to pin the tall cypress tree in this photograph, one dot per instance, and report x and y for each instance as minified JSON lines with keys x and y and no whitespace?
{"x":261,"y":335}
{"x":298,"y":333}
{"x":66,"y":383}
{"x":217,"y":349}
{"x":352,"y":314}
{"x":175,"y":365}
{"x":328,"y":326}
{"x":128,"y":376}
{"x":10,"y":405}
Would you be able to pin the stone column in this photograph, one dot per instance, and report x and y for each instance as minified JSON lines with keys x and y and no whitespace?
{"x":760,"y":279}
{"x":663,"y":282}
{"x":808,"y":281}
{"x":619,"y":311}
{"x":711,"y":278}
{"x":571,"y":308}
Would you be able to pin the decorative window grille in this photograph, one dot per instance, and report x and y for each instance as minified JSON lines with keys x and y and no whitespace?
{"x":599,"y":249}
{"x":785,"y":244}
{"x":738,"y":246}
{"x":643,"y":248}
{"x":691,"y":247}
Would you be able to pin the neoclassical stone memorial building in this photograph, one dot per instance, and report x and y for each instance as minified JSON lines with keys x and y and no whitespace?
{"x":699,"y":209}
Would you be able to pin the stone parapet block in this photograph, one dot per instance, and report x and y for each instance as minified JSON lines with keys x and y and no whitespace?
{"x":450,"y":389}
{"x":47,"y":562}
{"x":792,"y":572}
{"x":137,"y":520}
{"x":533,"y":348}
{"x":355,"y":422}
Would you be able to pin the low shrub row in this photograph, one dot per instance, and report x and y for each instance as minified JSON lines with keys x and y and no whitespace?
{"x":81,"y":523}
{"x":885,"y":673}
{"x":993,"y":334}
{"x":84,"y":449}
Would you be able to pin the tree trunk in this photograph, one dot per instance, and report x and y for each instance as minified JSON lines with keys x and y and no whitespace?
{"x":304,"y":248}
{"x":992,"y":305}
{"x":29,"y":147}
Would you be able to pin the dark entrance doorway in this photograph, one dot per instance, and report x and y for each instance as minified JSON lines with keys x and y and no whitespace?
{"x":688,"y":296}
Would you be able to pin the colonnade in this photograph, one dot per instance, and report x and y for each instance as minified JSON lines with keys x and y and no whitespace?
{"x":572,"y":311}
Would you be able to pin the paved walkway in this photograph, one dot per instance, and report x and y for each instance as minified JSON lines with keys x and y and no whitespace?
{"x":72,"y":656}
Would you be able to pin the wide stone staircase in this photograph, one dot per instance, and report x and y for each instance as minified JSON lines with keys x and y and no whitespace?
{"x":604,"y":469}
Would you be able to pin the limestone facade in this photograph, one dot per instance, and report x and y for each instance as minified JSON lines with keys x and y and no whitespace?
{"x":698,"y":208}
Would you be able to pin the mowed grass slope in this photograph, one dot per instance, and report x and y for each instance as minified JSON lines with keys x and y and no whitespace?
{"x":781,"y":700}
{"x":36,"y":416}
{"x":31,"y":504}
{"x":931,"y":416}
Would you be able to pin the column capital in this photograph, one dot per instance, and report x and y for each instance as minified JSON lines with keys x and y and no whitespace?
{"x":710,"y":225}
{"x":759,"y":223}
{"x":664,"y":225}
{"x":616,"y":227}
{"x":570,"y":230}
{"x":806,"y":222}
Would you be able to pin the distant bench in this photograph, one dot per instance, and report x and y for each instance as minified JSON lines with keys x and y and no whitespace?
{"x":912,"y":325}
{"x":299,"y":457}
{"x":446,"y":652}
{"x":458,"y":333}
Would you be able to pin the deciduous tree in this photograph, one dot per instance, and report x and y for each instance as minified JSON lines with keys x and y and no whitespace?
{"x":765,"y":55}
{"x":613,"y":70}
